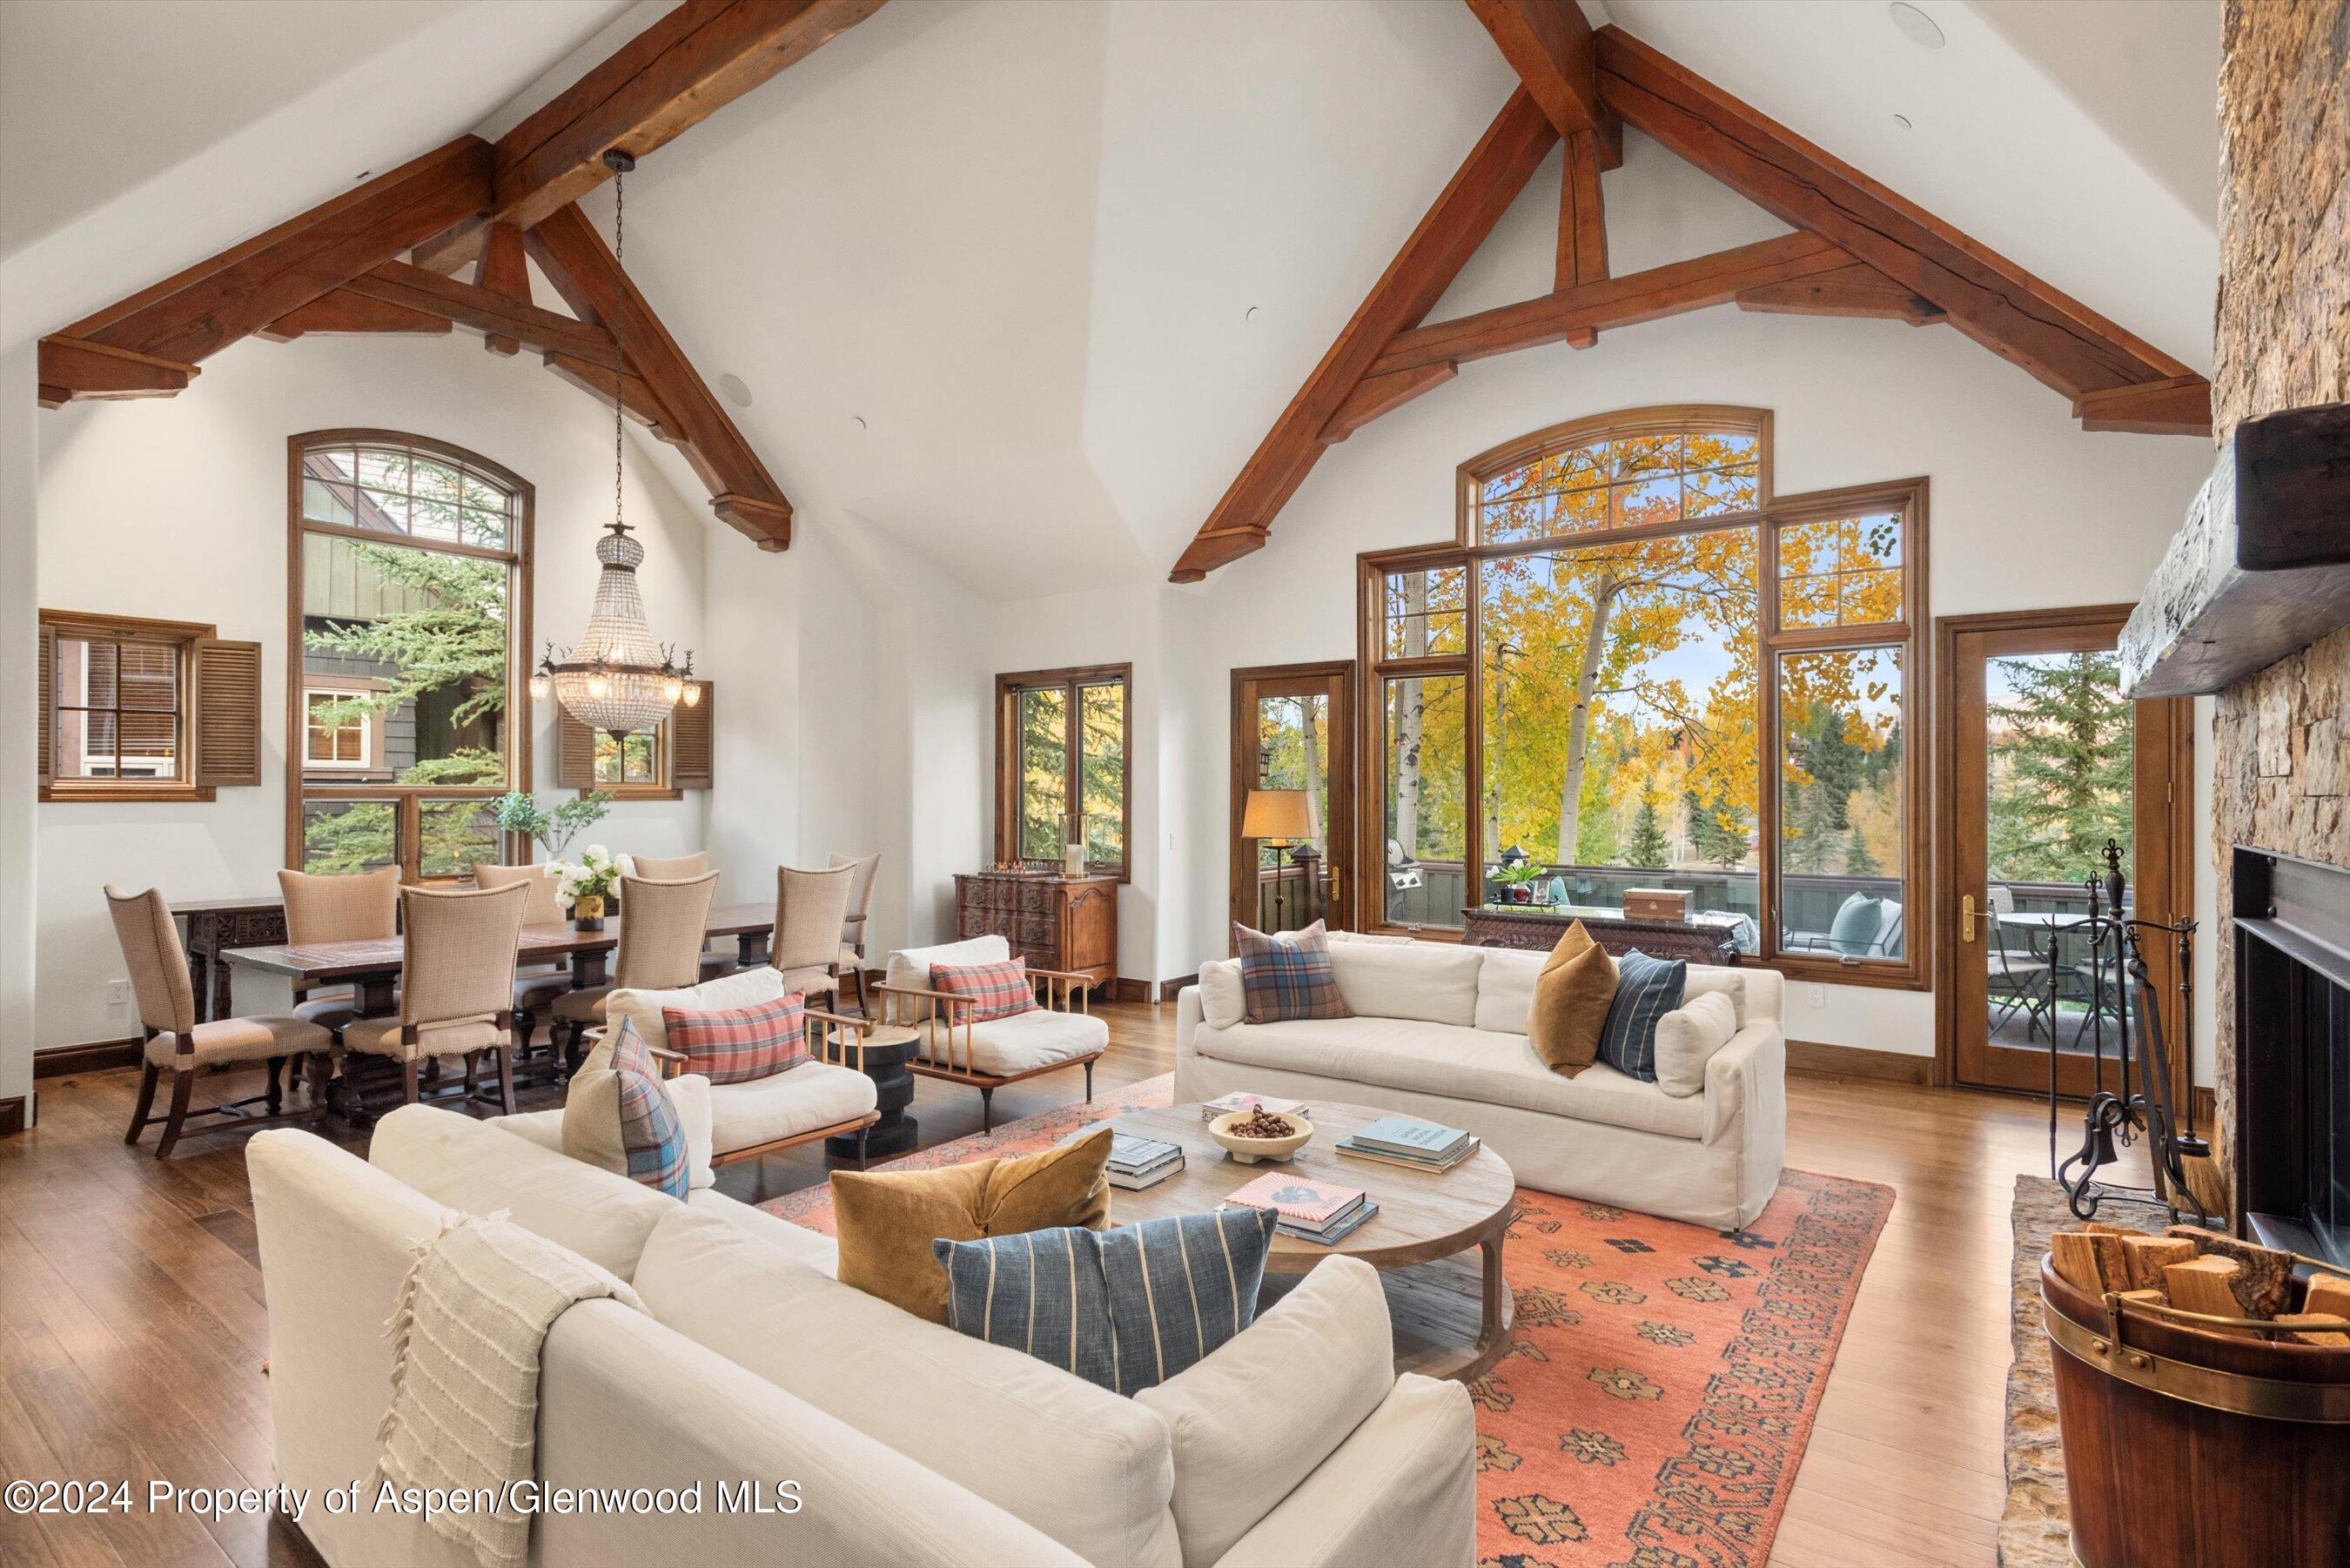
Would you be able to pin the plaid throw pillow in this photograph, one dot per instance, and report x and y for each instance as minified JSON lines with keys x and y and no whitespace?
{"x":738,"y":1046}
{"x":1645,"y":990}
{"x":1001,"y":990}
{"x":651,"y":1133}
{"x":1287,"y":975}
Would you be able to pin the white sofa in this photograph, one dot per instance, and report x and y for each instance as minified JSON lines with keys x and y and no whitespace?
{"x":914,"y":1447}
{"x":1439,"y":1032}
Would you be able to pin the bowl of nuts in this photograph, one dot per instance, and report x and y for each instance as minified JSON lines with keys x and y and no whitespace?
{"x":1252,"y":1135}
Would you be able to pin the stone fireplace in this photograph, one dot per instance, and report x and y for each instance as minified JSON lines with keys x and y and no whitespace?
{"x":2290,"y":929}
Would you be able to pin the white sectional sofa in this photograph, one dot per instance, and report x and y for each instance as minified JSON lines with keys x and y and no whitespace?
{"x":1295,"y":1444}
{"x":1439,"y":1030}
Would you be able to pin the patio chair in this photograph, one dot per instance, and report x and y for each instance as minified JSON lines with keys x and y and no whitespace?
{"x":2017,"y":979}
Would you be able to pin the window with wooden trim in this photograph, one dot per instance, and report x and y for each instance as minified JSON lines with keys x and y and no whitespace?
{"x":675,"y":756}
{"x":1062,"y":773}
{"x":409,"y":608}
{"x":135,"y":709}
{"x":1637,"y":667}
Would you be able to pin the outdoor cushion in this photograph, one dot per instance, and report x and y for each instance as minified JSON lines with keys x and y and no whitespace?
{"x":1645,"y":990}
{"x":1027,"y":1040}
{"x":1126,"y":1308}
{"x":739,"y":1044}
{"x":1458,"y":1064}
{"x":1287,"y":974}
{"x":1432,"y":980}
{"x":801,"y":1099}
{"x":1857,"y":925}
{"x":995,"y":990}
{"x":1573,"y":997}
{"x":1687,"y":1039}
{"x":886,"y":1219}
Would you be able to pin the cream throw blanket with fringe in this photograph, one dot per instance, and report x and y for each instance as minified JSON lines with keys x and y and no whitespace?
{"x":472,"y":1318}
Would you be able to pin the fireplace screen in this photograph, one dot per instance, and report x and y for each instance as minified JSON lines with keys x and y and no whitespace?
{"x":2292,"y":1044}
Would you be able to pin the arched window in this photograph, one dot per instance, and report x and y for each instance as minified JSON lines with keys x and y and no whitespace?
{"x":409,"y":599}
{"x":1638,"y":667}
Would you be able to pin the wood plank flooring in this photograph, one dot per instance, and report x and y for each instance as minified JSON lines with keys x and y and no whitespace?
{"x":132,"y":1325}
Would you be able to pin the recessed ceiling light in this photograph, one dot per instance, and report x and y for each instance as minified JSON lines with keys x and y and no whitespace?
{"x":1902,"y":120}
{"x":1250,"y":314}
{"x":736,"y":392}
{"x":1915,"y":25}
{"x":860,"y":421}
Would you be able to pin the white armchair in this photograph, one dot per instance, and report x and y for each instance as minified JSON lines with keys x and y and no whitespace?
{"x":958,"y":1046}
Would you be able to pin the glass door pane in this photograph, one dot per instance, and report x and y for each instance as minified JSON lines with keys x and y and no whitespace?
{"x":1043,"y":719}
{"x":1424,"y":736}
{"x":1293,"y":797}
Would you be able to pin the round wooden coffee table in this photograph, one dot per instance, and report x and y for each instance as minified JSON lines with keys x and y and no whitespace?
{"x":1436,"y":1239}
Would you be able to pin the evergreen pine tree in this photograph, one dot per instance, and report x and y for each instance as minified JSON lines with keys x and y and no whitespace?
{"x":1647,"y":846}
{"x":2061,"y":768}
{"x":1857,"y":860}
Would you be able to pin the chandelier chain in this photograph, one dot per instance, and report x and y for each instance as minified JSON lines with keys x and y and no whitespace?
{"x":619,"y":324}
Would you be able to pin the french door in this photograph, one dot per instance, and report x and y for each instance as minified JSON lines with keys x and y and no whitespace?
{"x":1293,"y":760}
{"x":2042,"y":761}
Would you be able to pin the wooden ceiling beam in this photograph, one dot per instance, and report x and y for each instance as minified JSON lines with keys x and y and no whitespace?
{"x":1855,"y":290}
{"x":478,"y":309}
{"x":667,"y":79}
{"x":1479,"y":191}
{"x":504,"y":270}
{"x":1549,"y":44}
{"x":637,"y":399}
{"x":1376,"y":395}
{"x":70,"y":367}
{"x":2180,"y":405}
{"x":581,"y":267}
{"x":1582,"y":224}
{"x":198,"y":312}
{"x":2052,"y":337}
{"x":1619,"y":301}
{"x":347,"y":313}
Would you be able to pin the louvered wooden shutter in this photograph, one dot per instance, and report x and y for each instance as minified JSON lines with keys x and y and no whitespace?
{"x":227,"y":709}
{"x":689,"y":732}
{"x":575,"y":752}
{"x":48,"y":640}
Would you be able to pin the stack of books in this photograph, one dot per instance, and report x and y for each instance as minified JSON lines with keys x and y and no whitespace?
{"x":1210,"y":1109}
{"x":1319,"y":1211}
{"x":1135,"y":1163}
{"x":1411,"y":1143}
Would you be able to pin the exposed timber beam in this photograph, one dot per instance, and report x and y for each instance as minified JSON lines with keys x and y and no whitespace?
{"x":637,"y":399}
{"x":346,"y":313}
{"x":1549,"y":45}
{"x":198,"y":312}
{"x":70,"y":367}
{"x":687,"y":65}
{"x":1855,"y":290}
{"x":2052,"y":337}
{"x":479,"y":310}
{"x":2179,"y":406}
{"x":1581,"y":223}
{"x":504,"y":270}
{"x":1376,"y":395}
{"x":1495,"y":171}
{"x":1620,"y":301}
{"x":577,"y":261}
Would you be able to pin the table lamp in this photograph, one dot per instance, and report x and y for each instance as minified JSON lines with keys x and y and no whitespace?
{"x":1280,"y":817}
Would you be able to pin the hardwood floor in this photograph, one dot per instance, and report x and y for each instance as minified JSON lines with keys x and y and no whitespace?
{"x":133,"y":1326}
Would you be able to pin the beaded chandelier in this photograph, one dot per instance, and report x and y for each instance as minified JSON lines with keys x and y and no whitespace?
{"x":616,"y":678}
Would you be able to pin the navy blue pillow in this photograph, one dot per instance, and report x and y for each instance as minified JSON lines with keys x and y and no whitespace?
{"x":1645,"y":990}
{"x":1124,"y":1308}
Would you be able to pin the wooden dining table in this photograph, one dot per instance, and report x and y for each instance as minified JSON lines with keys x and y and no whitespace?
{"x":372,"y":967}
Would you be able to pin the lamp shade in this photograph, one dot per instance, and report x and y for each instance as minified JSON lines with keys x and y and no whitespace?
{"x":1276,"y":814}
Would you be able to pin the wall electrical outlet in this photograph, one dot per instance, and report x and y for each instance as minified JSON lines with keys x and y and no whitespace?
{"x":118,"y":998}
{"x":1815,"y":995}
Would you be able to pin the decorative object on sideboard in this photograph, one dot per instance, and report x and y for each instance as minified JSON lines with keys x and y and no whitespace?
{"x":616,"y":678}
{"x":2262,"y":569}
{"x":1656,"y":903}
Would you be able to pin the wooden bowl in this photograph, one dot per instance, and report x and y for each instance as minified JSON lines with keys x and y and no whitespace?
{"x":1251,"y":1150}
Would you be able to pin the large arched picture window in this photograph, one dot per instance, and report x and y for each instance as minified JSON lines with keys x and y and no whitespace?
{"x":1637,"y":667}
{"x":408,"y":605}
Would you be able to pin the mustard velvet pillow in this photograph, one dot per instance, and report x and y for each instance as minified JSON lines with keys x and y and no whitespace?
{"x":886,"y":1219}
{"x":1571,"y":999}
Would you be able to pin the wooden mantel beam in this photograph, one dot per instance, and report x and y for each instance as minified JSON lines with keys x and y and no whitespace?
{"x":1549,"y":45}
{"x":667,"y":79}
{"x":581,"y":267}
{"x":1495,"y":171}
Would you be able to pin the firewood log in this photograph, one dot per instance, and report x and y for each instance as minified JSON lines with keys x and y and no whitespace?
{"x":2333,"y":1328}
{"x":2149,"y":1255}
{"x":2264,"y":1279}
{"x":2205,"y":1285}
{"x":2098,"y":1227}
{"x":2090,"y":1261}
{"x":2327,"y":1292}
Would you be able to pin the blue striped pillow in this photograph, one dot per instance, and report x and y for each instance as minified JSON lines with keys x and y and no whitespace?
{"x":1124,"y":1308}
{"x":1645,"y":990}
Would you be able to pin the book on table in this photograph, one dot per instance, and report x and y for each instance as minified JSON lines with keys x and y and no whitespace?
{"x":1312,"y":1210}
{"x":1347,"y":1147}
{"x":1240,"y":1100}
{"x":1410,"y":1137}
{"x":1136,"y":1180}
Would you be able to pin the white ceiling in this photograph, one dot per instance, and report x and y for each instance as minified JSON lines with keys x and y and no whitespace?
{"x":1019,"y":283}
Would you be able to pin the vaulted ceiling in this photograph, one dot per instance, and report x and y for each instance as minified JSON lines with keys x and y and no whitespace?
{"x":1020,"y":284}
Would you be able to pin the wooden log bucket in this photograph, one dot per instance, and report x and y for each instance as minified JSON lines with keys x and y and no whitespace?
{"x":2192,"y":1448}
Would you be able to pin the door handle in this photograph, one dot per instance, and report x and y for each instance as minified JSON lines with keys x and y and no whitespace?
{"x":1967,"y":918}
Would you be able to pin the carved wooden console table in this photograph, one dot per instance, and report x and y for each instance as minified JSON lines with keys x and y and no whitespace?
{"x":1050,"y":920}
{"x":1537,"y":928}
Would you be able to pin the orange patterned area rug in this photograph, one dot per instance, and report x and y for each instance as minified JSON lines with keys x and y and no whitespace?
{"x":1663,"y":1377}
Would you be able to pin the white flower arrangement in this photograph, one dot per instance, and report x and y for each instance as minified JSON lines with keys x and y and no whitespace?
{"x":595,"y":875}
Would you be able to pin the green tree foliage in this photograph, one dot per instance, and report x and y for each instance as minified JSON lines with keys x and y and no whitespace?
{"x":1647,"y":847}
{"x":2059,"y":768}
{"x":1718,"y":829}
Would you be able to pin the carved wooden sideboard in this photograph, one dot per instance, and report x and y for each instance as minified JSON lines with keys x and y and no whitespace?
{"x":1051,"y":921}
{"x":1538,"y":928}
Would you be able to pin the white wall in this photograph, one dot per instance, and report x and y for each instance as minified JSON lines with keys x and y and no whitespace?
{"x":176,"y":508}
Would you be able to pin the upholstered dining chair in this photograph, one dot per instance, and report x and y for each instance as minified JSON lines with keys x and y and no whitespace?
{"x":811,"y":909}
{"x":177,"y":1042}
{"x":350,"y":907}
{"x":457,"y":980}
{"x":852,"y":930}
{"x":663,"y":927}
{"x":536,"y":986}
{"x":678,"y":868}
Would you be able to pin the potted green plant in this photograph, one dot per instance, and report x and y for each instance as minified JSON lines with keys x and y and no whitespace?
{"x":1515,"y":881}
{"x":586,"y":884}
{"x":520,"y":812}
